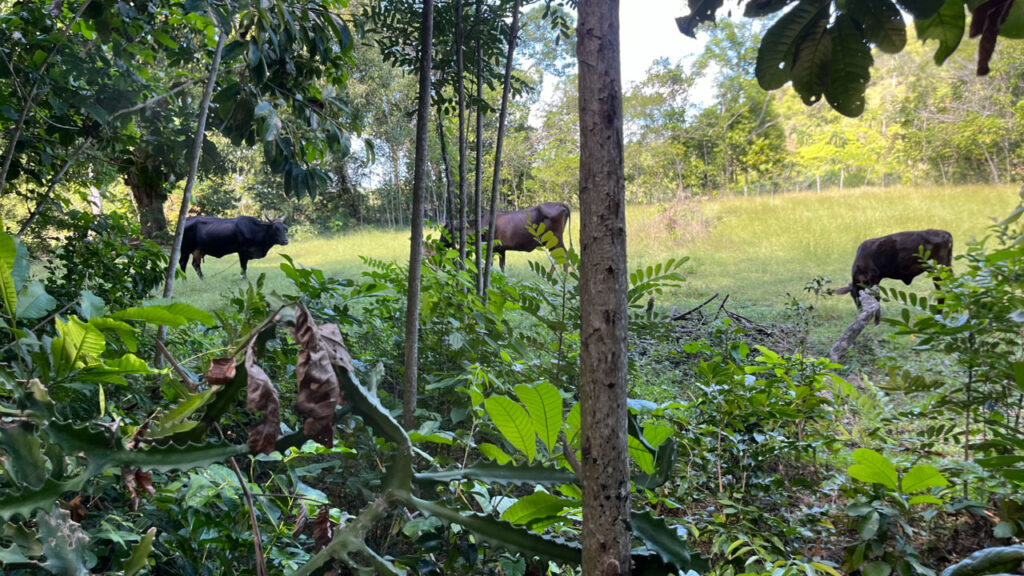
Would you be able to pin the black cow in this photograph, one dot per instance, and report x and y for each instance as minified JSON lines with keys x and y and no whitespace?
{"x":897,"y":256}
{"x":511,"y":233}
{"x":217,"y":237}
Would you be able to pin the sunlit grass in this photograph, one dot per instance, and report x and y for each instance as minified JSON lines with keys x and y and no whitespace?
{"x":755,"y":249}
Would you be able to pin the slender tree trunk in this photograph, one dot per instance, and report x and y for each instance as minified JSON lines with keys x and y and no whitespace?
{"x":502,"y":115}
{"x":412,"y":310}
{"x":449,"y":192}
{"x":460,"y":71}
{"x":190,"y":182}
{"x":478,"y":163}
{"x":992,"y":166}
{"x":603,"y":321}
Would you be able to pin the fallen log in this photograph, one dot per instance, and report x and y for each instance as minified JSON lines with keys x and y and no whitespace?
{"x":868,"y":306}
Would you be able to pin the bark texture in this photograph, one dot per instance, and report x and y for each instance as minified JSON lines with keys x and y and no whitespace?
{"x":419,"y":185}
{"x":603,"y":284}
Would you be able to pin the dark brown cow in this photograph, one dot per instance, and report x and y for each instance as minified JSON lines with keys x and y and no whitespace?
{"x":511,"y":233}
{"x":897,"y":256}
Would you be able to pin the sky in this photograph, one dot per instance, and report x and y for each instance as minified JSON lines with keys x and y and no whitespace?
{"x":647,"y":31}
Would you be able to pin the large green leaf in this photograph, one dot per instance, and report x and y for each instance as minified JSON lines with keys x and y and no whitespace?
{"x":114,"y":371}
{"x":662,"y":539}
{"x":777,"y":53}
{"x":140,"y":553}
{"x":34,"y":302}
{"x":78,"y":342}
{"x":850,"y":68}
{"x":872,"y":467}
{"x":946,"y":26}
{"x":544,"y":404}
{"x":64,"y":542}
{"x":173,"y":315}
{"x":921,"y":9}
{"x":497,"y":474}
{"x":171,"y":421}
{"x":1002,"y":559}
{"x":8,"y":295}
{"x":514,"y":423}
{"x":23,"y":459}
{"x":922,"y":477}
{"x":123,"y":330}
{"x":536,"y":506}
{"x":882,"y":21}
{"x":641,"y":455}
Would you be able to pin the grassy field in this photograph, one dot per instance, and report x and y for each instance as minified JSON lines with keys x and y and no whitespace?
{"x":754,"y":249}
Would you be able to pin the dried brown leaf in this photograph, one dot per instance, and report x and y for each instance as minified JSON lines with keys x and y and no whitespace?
{"x":262,"y":396}
{"x":323,"y":530}
{"x":330,"y":337}
{"x":77,"y":509}
{"x":300,"y":521}
{"x":318,"y":384}
{"x":986,"y":21}
{"x":144,"y":480}
{"x":128,"y":477}
{"x":221,"y":372}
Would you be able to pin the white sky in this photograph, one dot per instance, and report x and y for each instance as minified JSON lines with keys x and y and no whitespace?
{"x":647,"y":31}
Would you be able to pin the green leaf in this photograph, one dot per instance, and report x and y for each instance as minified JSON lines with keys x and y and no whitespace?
{"x":7,"y":291}
{"x":78,"y":342}
{"x":643,"y":458}
{"x":882,"y":21}
{"x":91,"y":306}
{"x":946,"y":26}
{"x":810,"y":70}
{"x":872,"y":467}
{"x":778,"y":49}
{"x":172,"y":457}
{"x":921,"y":9}
{"x":64,"y":542}
{"x":503,"y":475}
{"x":876,"y":569}
{"x":535,"y":506}
{"x":988,"y":561}
{"x":922,"y":477}
{"x":23,"y":459}
{"x":850,"y":68}
{"x":514,"y":423}
{"x":544,"y":404}
{"x":173,"y":315}
{"x":34,"y":302}
{"x":662,"y":539}
{"x":113,"y":371}
{"x":27,"y":501}
{"x":164,"y":39}
{"x":140,"y":553}
{"x":924,"y":499}
{"x":492,"y":452}
{"x":123,"y":330}
{"x":868,"y":526}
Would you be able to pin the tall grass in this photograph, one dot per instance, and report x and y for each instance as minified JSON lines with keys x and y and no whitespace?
{"x":755,"y":249}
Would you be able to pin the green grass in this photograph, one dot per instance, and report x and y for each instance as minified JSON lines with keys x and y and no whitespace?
{"x":754,"y":249}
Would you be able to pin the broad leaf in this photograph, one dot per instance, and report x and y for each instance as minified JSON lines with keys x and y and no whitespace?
{"x":262,"y":396}
{"x":850,"y":69}
{"x":514,"y":423}
{"x":759,"y":8}
{"x":492,"y":452}
{"x":872,"y":467}
{"x":922,"y":477}
{"x":34,"y":302}
{"x":876,"y":569}
{"x":778,"y":49}
{"x":23,"y":459}
{"x":78,"y":342}
{"x":140,"y":553}
{"x":536,"y":506}
{"x":544,"y":404}
{"x":662,"y":539}
{"x":64,"y":542}
{"x":643,"y":458}
{"x":882,"y":21}
{"x":123,"y":330}
{"x":810,"y":70}
{"x":113,"y":371}
{"x":988,"y":561}
{"x":91,"y":306}
{"x":700,"y":11}
{"x":173,"y":315}
{"x":8,"y":295}
{"x":946,"y":26}
{"x":921,"y":9}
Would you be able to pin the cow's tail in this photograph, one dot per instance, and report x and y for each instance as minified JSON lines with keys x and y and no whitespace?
{"x":568,"y":224}
{"x":845,"y":289}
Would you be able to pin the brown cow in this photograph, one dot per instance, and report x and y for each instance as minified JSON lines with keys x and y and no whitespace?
{"x":897,"y":256}
{"x":511,"y":232}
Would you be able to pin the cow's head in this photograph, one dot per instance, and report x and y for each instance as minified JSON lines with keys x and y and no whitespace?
{"x":280,"y":231}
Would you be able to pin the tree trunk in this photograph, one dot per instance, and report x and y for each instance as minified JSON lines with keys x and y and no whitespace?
{"x":412,"y":310}
{"x":190,"y":182}
{"x":449,"y":192}
{"x":460,"y":70}
{"x":478,"y":163}
{"x":146,"y":179}
{"x":603,"y":321}
{"x":502,"y":115}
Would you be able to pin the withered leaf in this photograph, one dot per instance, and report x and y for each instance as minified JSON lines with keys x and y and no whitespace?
{"x":300,"y":521}
{"x":330,"y":337}
{"x":128,"y":477}
{"x":144,"y":480}
{"x":988,"y":18}
{"x":318,"y":384}
{"x":77,"y":509}
{"x":221,"y":372}
{"x":262,"y":396}
{"x":323,"y":530}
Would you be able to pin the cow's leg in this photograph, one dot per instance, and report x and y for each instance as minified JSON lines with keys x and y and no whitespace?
{"x":197,"y":263}
{"x":501,"y":260}
{"x":183,"y":260}
{"x":245,"y":263}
